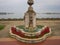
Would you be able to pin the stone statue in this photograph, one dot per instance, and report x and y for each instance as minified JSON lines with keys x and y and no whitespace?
{"x":30,"y":17}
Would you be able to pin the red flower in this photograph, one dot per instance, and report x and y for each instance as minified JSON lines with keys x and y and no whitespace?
{"x":17,"y":32}
{"x":20,"y":34}
{"x":42,"y":33}
{"x":13,"y":30}
{"x":47,"y":30}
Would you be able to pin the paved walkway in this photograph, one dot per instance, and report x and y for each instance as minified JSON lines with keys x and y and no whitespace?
{"x":4,"y":32}
{"x":55,"y":40}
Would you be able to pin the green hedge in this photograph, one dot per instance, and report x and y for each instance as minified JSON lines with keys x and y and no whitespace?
{"x":2,"y":27}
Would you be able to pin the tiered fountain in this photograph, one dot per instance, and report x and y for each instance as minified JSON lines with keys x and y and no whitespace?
{"x":30,"y":32}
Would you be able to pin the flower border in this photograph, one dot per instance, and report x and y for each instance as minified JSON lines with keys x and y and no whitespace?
{"x":30,"y":40}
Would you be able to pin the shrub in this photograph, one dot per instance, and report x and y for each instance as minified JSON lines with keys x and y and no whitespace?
{"x":2,"y":27}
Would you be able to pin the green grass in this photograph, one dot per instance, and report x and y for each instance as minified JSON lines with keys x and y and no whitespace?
{"x":27,"y":30}
{"x":2,"y":27}
{"x":40,"y":26}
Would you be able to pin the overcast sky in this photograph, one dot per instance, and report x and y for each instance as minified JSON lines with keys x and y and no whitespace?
{"x":20,"y":6}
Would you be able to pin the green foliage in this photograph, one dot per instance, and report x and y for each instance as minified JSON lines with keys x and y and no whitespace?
{"x":21,"y":27}
{"x":2,"y":27}
{"x":40,"y":26}
{"x":27,"y":29}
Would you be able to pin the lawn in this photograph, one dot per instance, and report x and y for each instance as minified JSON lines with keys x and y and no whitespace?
{"x":27,"y":30}
{"x":2,"y":27}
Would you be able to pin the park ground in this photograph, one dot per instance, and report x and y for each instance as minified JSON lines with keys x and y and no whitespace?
{"x":53,"y":24}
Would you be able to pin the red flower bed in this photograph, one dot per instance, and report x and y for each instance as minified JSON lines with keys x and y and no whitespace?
{"x":17,"y":32}
{"x":43,"y":32}
{"x":46,"y":30}
{"x":13,"y":30}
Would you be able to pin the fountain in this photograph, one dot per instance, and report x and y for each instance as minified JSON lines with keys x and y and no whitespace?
{"x":30,"y":32}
